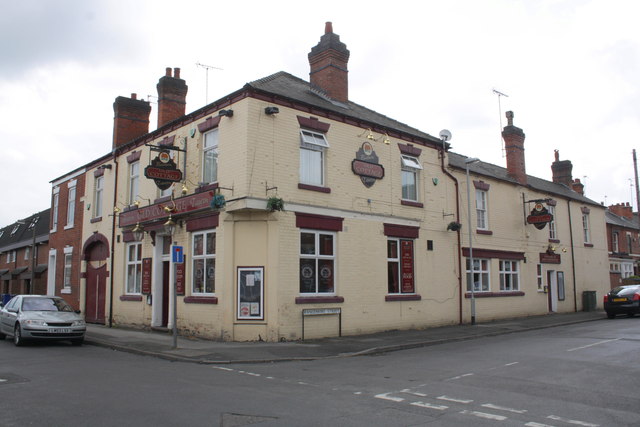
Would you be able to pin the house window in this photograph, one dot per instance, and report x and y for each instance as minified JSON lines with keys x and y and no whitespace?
{"x":586,"y":233}
{"x":614,"y":267}
{"x":26,"y":253}
{"x":626,"y":268}
{"x":615,"y":245}
{"x":134,"y":268}
{"x":553,"y":235}
{"x":15,"y":229}
{"x":540,"y":277}
{"x":481,"y":209}
{"x":480,"y":275}
{"x":317,"y":262}
{"x":629,"y":244}
{"x":400,"y":259}
{"x":54,"y":219}
{"x":71,"y":206}
{"x":204,"y":263}
{"x":210,"y":157}
{"x":134,"y":181}
{"x":509,"y":275}
{"x":97,"y":202}
{"x":312,"y":157}
{"x":11,"y":256}
{"x":410,"y":169}
{"x":68,"y":263}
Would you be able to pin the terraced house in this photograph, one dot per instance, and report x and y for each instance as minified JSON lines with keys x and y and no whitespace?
{"x":285,"y":210}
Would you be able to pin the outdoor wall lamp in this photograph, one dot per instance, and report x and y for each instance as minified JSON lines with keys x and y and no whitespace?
{"x":271,"y":110}
{"x":170,"y":226}
{"x":228,"y":113}
{"x":138,"y":232}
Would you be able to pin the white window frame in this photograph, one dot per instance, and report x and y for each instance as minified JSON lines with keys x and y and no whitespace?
{"x":397,"y":260}
{"x":540,"y":277}
{"x":56,"y":203}
{"x":318,"y":258}
{"x":26,"y":252}
{"x":98,"y":196}
{"x":626,"y":269}
{"x":204,"y":257}
{"x":553,"y":232}
{"x":211,"y":150}
{"x":586,"y":232}
{"x":509,"y":275}
{"x":629,"y":243}
{"x":67,"y":270}
{"x":410,"y":170}
{"x":482,"y":202}
{"x":484,"y":274}
{"x":133,"y":283}
{"x":313,"y":146}
{"x":71,"y":206}
{"x":134,"y":181}
{"x":615,"y":242}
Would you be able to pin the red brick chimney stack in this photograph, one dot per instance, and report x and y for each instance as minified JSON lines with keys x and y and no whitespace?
{"x":622,"y":209}
{"x":328,"y":65}
{"x":514,"y":146}
{"x":130,"y":120}
{"x":577,"y":186}
{"x":562,"y":170}
{"x":172,"y":97}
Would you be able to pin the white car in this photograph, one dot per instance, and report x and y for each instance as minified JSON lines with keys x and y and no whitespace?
{"x":39,"y":317}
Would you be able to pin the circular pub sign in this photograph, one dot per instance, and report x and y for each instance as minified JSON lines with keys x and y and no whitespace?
{"x":539,"y":216}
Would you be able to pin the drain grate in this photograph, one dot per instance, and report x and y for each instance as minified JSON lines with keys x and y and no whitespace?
{"x":238,"y":420}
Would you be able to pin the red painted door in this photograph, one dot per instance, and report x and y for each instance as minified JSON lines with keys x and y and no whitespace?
{"x":96,"y":294}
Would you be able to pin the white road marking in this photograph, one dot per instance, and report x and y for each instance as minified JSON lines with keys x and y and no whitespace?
{"x":595,"y":343}
{"x":532,"y":424}
{"x":576,"y":422}
{"x":414,"y":393}
{"x":460,"y":376}
{"x":386,"y":396}
{"x":502,"y":408}
{"x":512,"y":363}
{"x":357,"y":392}
{"x":430,"y":406}
{"x":453,"y":399}
{"x":484,"y":415}
{"x":2,"y":380}
{"x":222,"y":368}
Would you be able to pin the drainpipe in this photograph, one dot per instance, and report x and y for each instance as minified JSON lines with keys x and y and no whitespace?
{"x":573,"y":259}
{"x":455,"y":182}
{"x":113,"y":237}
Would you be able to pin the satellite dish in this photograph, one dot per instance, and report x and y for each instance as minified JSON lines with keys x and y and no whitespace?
{"x":445,"y":135}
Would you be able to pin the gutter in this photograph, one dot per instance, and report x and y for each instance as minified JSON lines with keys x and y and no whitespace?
{"x":113,"y":238}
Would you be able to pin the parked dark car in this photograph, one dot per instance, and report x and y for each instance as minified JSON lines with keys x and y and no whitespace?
{"x":622,"y":300}
{"x":39,"y":317}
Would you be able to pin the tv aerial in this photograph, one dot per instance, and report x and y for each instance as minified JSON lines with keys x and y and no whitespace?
{"x":207,"y":68}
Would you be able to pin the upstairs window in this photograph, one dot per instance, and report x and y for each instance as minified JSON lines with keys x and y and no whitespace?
{"x":210,"y":157}
{"x":410,"y":173}
{"x":586,"y":231}
{"x":97,"y":200}
{"x":553,"y":234}
{"x":481,"y":210}
{"x":312,"y":157}
{"x":54,"y":216}
{"x":615,"y":245}
{"x":134,"y":181}
{"x":71,"y":207}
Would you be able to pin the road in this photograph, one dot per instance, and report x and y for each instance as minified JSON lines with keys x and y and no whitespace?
{"x":579,"y":375}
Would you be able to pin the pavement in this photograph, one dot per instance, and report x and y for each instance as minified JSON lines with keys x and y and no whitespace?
{"x":195,"y":350}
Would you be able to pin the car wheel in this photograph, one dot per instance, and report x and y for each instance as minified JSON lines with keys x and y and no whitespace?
{"x":17,"y":336}
{"x":610,"y":315}
{"x":77,"y":341}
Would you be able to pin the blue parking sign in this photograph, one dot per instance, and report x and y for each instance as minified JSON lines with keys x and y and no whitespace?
{"x":177,"y":254}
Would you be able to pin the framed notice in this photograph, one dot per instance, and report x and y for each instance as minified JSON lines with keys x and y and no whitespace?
{"x":146,"y":276}
{"x":561,"y":286}
{"x":250,"y":293}
{"x":179,"y":278}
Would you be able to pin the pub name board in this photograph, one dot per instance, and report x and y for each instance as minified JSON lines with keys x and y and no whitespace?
{"x":187,"y":204}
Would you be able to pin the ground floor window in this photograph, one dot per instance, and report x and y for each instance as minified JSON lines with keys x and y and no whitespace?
{"x":317,"y":262}
{"x":480,"y":275}
{"x":400,"y":266}
{"x":68,"y":264}
{"x":509,"y":275}
{"x":204,"y":263}
{"x":134,"y":268}
{"x":540,"y":279}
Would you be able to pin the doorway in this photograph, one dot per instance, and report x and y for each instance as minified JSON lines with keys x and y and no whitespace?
{"x":552,"y":291}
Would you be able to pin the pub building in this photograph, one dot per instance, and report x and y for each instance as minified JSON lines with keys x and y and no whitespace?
{"x":285,"y":210}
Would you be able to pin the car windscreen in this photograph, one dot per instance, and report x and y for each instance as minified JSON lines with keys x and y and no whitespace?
{"x":625,"y":290}
{"x":45,"y":304}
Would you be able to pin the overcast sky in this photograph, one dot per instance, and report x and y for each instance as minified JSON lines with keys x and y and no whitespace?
{"x":570,"y":70}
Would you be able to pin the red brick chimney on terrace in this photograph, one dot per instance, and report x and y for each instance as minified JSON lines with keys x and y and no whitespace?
{"x":130,"y":120}
{"x":562,"y":174}
{"x":172,"y":97}
{"x":328,"y":65}
{"x":622,"y":209}
{"x":514,"y":147}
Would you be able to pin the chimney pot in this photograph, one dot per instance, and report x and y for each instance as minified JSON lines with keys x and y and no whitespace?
{"x":514,"y":147}
{"x":172,"y":96}
{"x":134,"y":96}
{"x":328,"y":65}
{"x":328,"y":27}
{"x":176,"y":73}
{"x":167,"y":72}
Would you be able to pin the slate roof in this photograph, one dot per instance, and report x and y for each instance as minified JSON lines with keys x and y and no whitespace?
{"x":535,"y":183}
{"x":621,"y":221}
{"x":23,"y":235}
{"x":288,"y":86}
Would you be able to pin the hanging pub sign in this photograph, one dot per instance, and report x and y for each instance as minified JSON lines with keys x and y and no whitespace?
{"x":366,"y":165}
{"x":539,"y":216}
{"x":163,"y":170}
